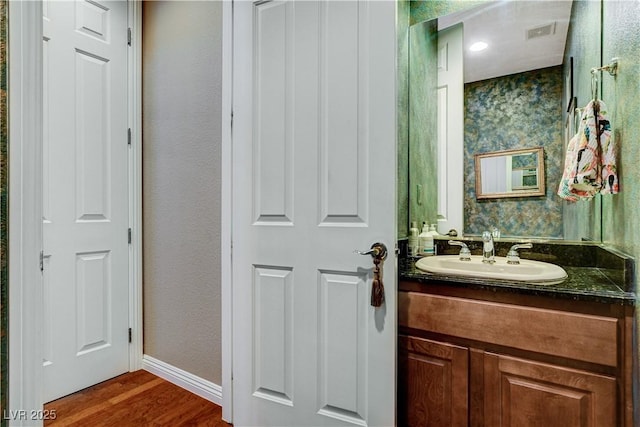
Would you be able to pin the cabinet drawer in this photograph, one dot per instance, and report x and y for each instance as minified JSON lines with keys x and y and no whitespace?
{"x":575,"y":336}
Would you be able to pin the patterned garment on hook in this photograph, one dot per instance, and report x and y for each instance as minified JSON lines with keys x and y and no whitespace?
{"x":590,"y":166}
{"x":608,"y":153}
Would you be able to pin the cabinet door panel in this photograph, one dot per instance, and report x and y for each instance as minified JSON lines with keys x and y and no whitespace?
{"x":433,"y":387}
{"x":522,"y":393}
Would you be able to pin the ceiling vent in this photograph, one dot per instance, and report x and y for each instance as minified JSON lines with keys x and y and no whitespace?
{"x":544,"y":30}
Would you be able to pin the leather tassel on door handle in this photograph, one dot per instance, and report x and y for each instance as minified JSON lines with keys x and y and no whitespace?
{"x":377,"y":288}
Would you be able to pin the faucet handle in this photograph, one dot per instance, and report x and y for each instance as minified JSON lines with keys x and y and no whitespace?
{"x":512,"y":255}
{"x":465,"y":253}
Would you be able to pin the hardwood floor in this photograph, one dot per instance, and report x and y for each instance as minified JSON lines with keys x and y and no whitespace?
{"x":133,"y":399}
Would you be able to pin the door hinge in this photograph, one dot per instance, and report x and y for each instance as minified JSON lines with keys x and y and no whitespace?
{"x":129,"y":136}
{"x":41,"y":261}
{"x":130,"y":334}
{"x":129,"y":236}
{"x":129,"y":36}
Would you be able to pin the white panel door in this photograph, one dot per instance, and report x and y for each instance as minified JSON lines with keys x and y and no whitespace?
{"x":314,"y":171}
{"x":450,"y":100}
{"x":85,"y":209}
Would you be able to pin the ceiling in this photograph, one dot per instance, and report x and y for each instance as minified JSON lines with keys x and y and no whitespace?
{"x":522,"y":35}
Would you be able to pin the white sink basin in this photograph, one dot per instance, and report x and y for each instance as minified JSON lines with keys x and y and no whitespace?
{"x":527,"y":271}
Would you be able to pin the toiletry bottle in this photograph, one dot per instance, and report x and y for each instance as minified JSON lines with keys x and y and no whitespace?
{"x":425,"y":241}
{"x":434,"y":233}
{"x":413,"y":239}
{"x":422,"y":239}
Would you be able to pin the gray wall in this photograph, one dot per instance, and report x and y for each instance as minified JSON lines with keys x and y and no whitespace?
{"x":182,"y":83}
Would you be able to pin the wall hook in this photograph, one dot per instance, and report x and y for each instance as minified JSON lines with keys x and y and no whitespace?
{"x":612,"y":67}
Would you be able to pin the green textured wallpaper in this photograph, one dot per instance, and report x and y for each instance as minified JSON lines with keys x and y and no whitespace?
{"x":423,"y":82}
{"x":581,"y":220}
{"x":414,"y":112}
{"x":409,"y":13}
{"x":621,"y":39}
{"x":402,"y":119}
{"x":621,"y":212}
{"x":517,"y":111}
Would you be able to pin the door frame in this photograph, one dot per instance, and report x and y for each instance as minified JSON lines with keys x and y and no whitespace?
{"x":226,"y":250}
{"x":25,"y":201}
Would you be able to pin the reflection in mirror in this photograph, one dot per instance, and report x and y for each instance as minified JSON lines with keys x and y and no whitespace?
{"x":510,"y":173}
{"x":509,"y":104}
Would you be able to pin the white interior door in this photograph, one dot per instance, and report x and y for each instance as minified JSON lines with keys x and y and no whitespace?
{"x":314,"y":170}
{"x":450,"y":133}
{"x":85,"y":206}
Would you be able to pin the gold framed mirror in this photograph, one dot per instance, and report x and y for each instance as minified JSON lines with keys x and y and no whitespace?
{"x":510,"y":173}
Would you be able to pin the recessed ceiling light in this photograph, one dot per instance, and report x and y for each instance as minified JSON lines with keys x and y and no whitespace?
{"x":478,"y":46}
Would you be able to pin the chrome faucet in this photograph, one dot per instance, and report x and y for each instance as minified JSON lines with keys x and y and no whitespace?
{"x":488,"y":250}
{"x":512,"y":255}
{"x":465,"y":253}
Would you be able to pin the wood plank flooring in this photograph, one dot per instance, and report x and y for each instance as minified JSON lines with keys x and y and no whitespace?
{"x":134,"y":399}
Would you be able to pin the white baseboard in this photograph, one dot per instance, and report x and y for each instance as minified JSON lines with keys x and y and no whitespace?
{"x":196,"y":385}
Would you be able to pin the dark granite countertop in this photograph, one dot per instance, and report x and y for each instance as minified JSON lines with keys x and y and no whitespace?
{"x":583,"y":284}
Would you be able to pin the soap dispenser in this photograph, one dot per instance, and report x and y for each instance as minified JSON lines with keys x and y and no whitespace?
{"x":425,"y":240}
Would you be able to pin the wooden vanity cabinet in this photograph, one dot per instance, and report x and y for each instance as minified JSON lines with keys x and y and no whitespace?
{"x":470,"y":359}
{"x":433,"y":386}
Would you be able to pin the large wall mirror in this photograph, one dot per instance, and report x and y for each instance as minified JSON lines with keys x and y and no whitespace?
{"x":517,"y":93}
